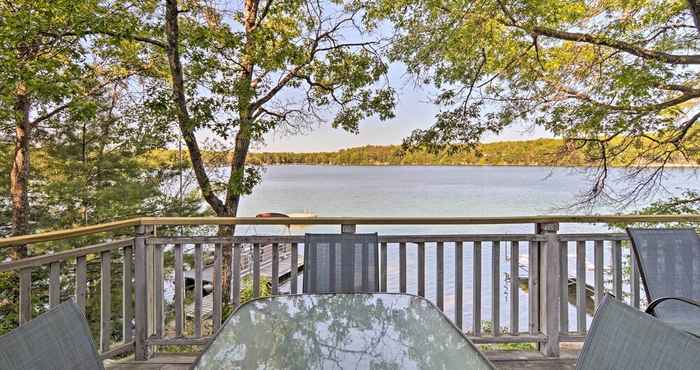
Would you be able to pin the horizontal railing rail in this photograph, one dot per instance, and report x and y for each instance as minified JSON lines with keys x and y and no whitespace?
{"x":45,"y":259}
{"x":300,"y":238}
{"x":538,"y":287}
{"x":175,"y":221}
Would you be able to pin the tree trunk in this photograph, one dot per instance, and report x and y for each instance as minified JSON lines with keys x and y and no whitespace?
{"x":233,"y":197}
{"x":226,"y":270}
{"x":229,"y":207}
{"x":187,"y":129}
{"x":183,"y":117}
{"x":19,"y":175}
{"x":242,"y":143}
{"x":694,"y":6}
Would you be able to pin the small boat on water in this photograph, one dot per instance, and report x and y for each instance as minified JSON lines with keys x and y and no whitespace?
{"x":271,"y":215}
{"x":284,"y":215}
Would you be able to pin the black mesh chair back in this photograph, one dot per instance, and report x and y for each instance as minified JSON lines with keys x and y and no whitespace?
{"x":341,"y":263}
{"x":623,"y":338}
{"x":58,"y":340}
{"x":669,"y":264}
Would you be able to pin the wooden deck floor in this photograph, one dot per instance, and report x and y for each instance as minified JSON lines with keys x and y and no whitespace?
{"x":504,"y":360}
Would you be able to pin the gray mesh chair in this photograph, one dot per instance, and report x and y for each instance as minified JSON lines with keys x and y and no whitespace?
{"x":669,"y":264}
{"x":624,"y":338}
{"x":341,"y":263}
{"x":57,"y":340}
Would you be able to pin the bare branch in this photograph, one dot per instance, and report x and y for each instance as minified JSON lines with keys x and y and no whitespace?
{"x":52,"y":113}
{"x":279,"y":86}
{"x":314,"y":49}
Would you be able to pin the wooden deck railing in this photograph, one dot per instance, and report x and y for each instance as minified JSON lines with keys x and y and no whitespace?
{"x":153,"y":314}
{"x":77,"y":259}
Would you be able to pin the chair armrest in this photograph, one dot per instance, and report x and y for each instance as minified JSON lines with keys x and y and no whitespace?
{"x":656,"y":302}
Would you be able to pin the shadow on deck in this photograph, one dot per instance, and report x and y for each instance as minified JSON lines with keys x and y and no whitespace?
{"x":504,"y":360}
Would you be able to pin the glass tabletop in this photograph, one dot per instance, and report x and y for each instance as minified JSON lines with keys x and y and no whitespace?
{"x":340,"y":331}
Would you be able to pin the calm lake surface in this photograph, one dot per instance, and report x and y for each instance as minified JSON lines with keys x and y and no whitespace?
{"x":440,"y":191}
{"x":434,"y":191}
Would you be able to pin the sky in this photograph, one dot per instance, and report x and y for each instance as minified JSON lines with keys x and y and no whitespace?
{"x":414,"y":110}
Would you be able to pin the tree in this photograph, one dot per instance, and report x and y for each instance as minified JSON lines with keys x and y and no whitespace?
{"x":616,"y":79}
{"x":42,"y":76}
{"x":83,"y":124}
{"x":88,"y":133}
{"x":93,"y":169}
{"x":269,"y":65}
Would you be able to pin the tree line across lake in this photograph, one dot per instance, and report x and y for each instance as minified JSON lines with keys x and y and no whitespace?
{"x":539,"y":152}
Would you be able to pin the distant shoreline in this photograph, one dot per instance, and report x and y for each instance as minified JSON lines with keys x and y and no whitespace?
{"x":688,"y":166}
{"x":530,"y":153}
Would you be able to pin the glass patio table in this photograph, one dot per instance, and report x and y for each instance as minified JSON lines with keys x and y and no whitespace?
{"x":340,"y":331}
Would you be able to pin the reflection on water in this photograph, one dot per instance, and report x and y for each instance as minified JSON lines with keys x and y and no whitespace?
{"x":384,"y":331}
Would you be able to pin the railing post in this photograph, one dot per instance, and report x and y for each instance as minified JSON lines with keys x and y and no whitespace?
{"x":348,"y":228}
{"x":140,"y":298}
{"x":550,"y":289}
{"x":151,"y":261}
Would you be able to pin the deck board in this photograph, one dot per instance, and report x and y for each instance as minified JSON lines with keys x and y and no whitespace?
{"x":159,"y":361}
{"x":504,"y":360}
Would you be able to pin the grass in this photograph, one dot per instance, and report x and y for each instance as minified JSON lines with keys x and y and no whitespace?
{"x":487,"y":328}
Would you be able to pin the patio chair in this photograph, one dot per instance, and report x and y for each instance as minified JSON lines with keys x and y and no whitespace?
{"x":623,"y":338}
{"x":669,"y":264}
{"x":57,"y":340}
{"x":341,"y":263}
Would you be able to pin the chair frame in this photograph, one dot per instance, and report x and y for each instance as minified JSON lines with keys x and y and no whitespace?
{"x":73,"y":311}
{"x":653,"y":303}
{"x":591,"y":345}
{"x":375,"y":288}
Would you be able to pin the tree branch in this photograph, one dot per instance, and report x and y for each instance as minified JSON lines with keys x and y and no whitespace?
{"x":314,"y":50}
{"x":689,"y":95}
{"x":685,"y":128}
{"x":280,"y":85}
{"x":144,"y":39}
{"x":615,"y":44}
{"x":66,"y":105}
{"x":347,"y":45}
{"x":52,"y":113}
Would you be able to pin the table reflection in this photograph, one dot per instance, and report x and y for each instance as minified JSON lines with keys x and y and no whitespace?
{"x":340,"y":331}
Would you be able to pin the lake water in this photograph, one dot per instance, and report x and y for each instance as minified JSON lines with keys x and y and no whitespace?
{"x":433,"y":191}
{"x":439,"y":192}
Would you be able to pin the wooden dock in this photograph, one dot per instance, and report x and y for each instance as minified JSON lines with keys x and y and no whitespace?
{"x":285,"y":269}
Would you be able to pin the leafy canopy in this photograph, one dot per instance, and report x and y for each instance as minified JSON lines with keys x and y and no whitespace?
{"x":609,"y":76}
{"x":263,"y":66}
